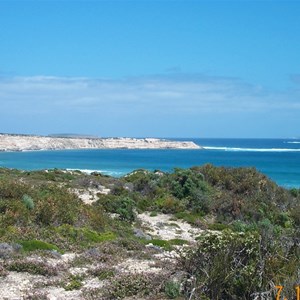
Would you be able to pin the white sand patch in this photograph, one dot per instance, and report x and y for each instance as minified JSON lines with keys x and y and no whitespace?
{"x":78,"y":271}
{"x":132,"y":265}
{"x":89,"y":195}
{"x":60,"y":261}
{"x":163,"y":227}
{"x":14,"y":285}
{"x":93,"y":283}
{"x":57,"y":293}
{"x":68,"y":257}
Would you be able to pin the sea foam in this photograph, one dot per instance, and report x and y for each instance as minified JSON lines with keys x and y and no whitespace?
{"x":251,"y":149}
{"x":107,"y":172}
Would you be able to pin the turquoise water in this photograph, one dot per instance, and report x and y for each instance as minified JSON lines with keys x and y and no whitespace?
{"x":277,"y":158}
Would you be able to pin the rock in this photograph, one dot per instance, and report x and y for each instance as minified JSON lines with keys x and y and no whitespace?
{"x":55,"y":254}
{"x":156,"y":248}
{"x":140,"y":234}
{"x":181,"y":279}
{"x":95,"y":173}
{"x":160,"y":224}
{"x":179,"y":276}
{"x":129,"y":186}
{"x":7,"y":250}
{"x":93,"y":252}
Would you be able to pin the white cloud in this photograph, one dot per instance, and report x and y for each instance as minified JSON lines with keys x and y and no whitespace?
{"x":163,"y":97}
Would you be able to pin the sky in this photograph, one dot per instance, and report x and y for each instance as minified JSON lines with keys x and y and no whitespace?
{"x":150,"y":68}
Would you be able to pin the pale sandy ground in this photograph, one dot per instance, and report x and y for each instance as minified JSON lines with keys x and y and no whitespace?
{"x":22,"y":143}
{"x":162,"y":226}
{"x":15,"y":285}
{"x":88,"y":196}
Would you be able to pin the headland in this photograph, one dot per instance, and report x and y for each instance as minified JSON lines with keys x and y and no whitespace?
{"x":11,"y":142}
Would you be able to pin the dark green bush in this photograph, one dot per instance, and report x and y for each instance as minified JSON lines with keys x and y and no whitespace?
{"x":126,"y":209}
{"x":172,"y":289}
{"x":123,"y":206}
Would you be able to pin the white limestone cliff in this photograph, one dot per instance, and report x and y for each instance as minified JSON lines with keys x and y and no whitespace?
{"x":31,"y":142}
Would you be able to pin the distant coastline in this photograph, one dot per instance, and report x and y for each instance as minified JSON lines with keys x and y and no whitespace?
{"x":22,"y":142}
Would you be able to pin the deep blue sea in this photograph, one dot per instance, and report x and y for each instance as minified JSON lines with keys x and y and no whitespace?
{"x":277,"y":158}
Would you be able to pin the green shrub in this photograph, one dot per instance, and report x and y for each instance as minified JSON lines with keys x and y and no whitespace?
{"x":178,"y":242}
{"x":103,"y":273}
{"x":200,"y":202}
{"x":12,"y":189}
{"x":28,"y":202}
{"x":295,"y":215}
{"x":234,"y":265}
{"x":13,"y":213}
{"x":83,"y":237}
{"x":33,"y":245}
{"x":123,"y":206}
{"x":153,"y":213}
{"x":125,"y":209}
{"x":169,"y":204}
{"x":185,"y":182}
{"x":218,"y":226}
{"x":166,"y":245}
{"x":225,"y":264}
{"x":284,"y":220}
{"x":172,"y":289}
{"x":56,"y":206}
{"x":294,"y":192}
{"x":74,"y":283}
{"x":192,"y":218}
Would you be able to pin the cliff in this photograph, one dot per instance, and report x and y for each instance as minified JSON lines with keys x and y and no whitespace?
{"x":30,"y":142}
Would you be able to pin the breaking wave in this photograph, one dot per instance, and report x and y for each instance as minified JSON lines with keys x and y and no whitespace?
{"x":107,"y":172}
{"x":251,"y":149}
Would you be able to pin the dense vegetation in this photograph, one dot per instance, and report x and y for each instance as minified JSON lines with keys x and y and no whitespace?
{"x":251,"y":241}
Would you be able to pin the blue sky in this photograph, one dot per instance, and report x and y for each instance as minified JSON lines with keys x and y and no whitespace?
{"x":150,"y":68}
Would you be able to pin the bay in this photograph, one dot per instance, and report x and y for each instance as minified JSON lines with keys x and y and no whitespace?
{"x":277,"y":158}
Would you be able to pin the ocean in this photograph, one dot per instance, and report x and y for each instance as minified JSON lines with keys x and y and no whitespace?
{"x":279,"y":159}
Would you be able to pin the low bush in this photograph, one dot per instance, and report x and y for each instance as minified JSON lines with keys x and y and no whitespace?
{"x":28,"y":202}
{"x":123,"y":206}
{"x":33,"y":245}
{"x":172,"y":289}
{"x":131,"y":285}
{"x":103,"y":273}
{"x":3,"y":271}
{"x":32,"y":267}
{"x":235,"y":265}
{"x":74,"y":282}
{"x":56,"y":206}
{"x":83,"y":237}
{"x":164,"y":244}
